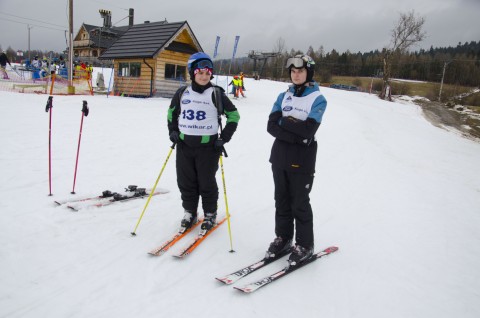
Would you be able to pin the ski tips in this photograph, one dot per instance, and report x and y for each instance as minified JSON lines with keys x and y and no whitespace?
{"x":331,"y":249}
{"x":225,"y":280}
{"x":246,"y":290}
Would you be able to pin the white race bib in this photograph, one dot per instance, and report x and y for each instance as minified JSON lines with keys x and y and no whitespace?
{"x":298,"y":107}
{"x":198,"y":114}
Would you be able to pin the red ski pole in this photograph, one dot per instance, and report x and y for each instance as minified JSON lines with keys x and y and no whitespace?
{"x":47,"y":109}
{"x":84,"y":114}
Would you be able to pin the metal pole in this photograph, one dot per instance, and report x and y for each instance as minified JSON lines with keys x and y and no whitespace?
{"x":226,"y":204}
{"x":153,"y":190}
{"x":85,"y":112}
{"x":71,"y":88}
{"x":29,"y":28}
{"x":48,"y":108}
{"x":441,"y":83}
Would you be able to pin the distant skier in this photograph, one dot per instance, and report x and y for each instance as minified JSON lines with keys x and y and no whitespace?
{"x":240,"y":85}
{"x":294,"y":120}
{"x":61,"y":63}
{"x":3,"y":64}
{"x":237,"y":84}
{"x":233,"y":87}
{"x":45,"y":66}
{"x":36,"y":63}
{"x":243,"y":81}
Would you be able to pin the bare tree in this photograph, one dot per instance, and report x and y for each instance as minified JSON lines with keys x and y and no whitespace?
{"x":278,"y":60}
{"x":279,"y":45}
{"x":406,"y":33}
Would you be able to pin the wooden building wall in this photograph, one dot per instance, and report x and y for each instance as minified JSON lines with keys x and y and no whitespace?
{"x":167,"y":87}
{"x":81,"y":44}
{"x":135,"y":86}
{"x":140,"y":86}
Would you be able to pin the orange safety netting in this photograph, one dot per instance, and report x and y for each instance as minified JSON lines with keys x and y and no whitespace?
{"x":27,"y":80}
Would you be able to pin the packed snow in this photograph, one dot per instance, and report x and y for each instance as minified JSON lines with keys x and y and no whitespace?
{"x":398,"y":196}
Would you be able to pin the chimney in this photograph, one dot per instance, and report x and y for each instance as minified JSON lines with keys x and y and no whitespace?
{"x":107,"y":18}
{"x":130,"y":17}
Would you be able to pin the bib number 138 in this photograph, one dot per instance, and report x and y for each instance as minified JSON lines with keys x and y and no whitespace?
{"x":190,"y":114}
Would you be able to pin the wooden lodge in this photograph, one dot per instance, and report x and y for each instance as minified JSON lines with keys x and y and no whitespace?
{"x":92,"y":41}
{"x":151,"y":58}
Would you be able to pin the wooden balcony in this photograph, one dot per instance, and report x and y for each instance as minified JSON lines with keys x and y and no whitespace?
{"x":82,"y":43}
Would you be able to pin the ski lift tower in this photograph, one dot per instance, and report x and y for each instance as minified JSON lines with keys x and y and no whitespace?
{"x":260,"y":56}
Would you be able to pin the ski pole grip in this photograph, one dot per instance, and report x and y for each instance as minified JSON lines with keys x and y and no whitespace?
{"x":49,"y":103}
{"x":85,"y":109}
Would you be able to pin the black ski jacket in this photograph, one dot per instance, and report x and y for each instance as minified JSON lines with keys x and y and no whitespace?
{"x":295,"y":147}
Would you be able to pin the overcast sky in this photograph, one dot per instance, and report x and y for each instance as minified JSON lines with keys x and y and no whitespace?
{"x":341,"y":25}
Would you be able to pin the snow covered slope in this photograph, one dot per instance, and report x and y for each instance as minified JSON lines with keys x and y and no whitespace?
{"x":398,"y":196}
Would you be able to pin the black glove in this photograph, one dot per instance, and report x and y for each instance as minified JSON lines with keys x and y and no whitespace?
{"x":174,"y":136}
{"x":219,"y":143}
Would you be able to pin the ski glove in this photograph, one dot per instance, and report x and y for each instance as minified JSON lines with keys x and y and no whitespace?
{"x":219,"y":143}
{"x":174,"y":137}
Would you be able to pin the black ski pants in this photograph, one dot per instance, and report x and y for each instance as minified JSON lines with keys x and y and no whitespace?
{"x":292,"y":206}
{"x":196,"y":169}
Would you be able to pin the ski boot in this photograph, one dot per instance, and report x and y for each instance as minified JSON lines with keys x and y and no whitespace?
{"x":209,"y":221}
{"x":279,"y":246}
{"x":189,"y":219}
{"x":299,"y":255}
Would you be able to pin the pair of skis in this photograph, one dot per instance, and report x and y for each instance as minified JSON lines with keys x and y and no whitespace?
{"x":191,"y":246}
{"x":108,"y":197}
{"x":241,"y":273}
{"x":252,"y":287}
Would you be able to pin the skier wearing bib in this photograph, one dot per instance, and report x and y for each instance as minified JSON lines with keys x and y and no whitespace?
{"x":194,"y":125}
{"x":294,"y":120}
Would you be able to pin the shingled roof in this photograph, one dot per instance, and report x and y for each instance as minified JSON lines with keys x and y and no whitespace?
{"x":148,"y":39}
{"x":113,"y":34}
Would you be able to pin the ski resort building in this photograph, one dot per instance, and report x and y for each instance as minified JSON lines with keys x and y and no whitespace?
{"x":91,"y":41}
{"x":151,"y":58}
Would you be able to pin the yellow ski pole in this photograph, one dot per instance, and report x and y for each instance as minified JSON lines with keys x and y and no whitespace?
{"x":226,"y":203}
{"x":153,"y":189}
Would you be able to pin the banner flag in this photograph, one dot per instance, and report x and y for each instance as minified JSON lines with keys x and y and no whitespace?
{"x":216,"y":47}
{"x":235,"y":47}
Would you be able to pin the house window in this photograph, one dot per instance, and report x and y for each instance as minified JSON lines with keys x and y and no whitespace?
{"x":175,"y":72}
{"x":129,"y":69}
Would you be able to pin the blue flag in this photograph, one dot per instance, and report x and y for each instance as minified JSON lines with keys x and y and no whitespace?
{"x":235,"y":47}
{"x":216,"y":47}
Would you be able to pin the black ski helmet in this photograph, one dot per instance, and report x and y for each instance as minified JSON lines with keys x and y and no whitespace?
{"x":302,"y":61}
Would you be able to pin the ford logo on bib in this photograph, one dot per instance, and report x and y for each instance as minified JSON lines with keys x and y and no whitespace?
{"x":287,"y":108}
{"x":186,"y":101}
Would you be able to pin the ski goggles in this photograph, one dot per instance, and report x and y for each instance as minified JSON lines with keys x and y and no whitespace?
{"x":205,"y":69}
{"x":204,"y":64}
{"x":299,"y":62}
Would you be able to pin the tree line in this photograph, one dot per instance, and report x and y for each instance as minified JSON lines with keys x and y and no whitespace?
{"x":461,"y":63}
